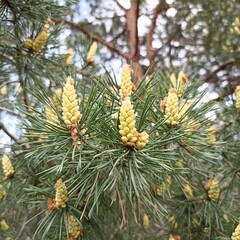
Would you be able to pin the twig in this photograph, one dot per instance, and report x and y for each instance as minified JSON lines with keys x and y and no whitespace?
{"x":133,"y":39}
{"x":89,"y":196}
{"x":84,"y":73}
{"x":118,"y":35}
{"x":132,"y":28}
{"x":93,"y":36}
{"x":221,"y":67}
{"x":151,"y":53}
{"x":121,"y":205}
{"x":19,"y":68}
{"x":120,"y":6}
{"x":8,"y":133}
{"x":25,"y":95}
{"x":9,"y":111}
{"x":8,"y":82}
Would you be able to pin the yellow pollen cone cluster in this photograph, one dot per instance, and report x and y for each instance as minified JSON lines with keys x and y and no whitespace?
{"x":163,"y":104}
{"x":188,"y":191}
{"x":74,"y":229}
{"x":42,"y":37}
{"x":142,"y":139}
{"x":145,"y":221}
{"x":128,"y":131}
{"x":2,"y":192}
{"x":61,"y":196}
{"x":57,"y":99}
{"x":51,"y":116}
{"x":172,"y":220}
{"x":225,"y":217}
{"x":174,"y":237}
{"x":160,"y":190}
{"x":184,"y":107}
{"x":127,"y":127}
{"x":28,"y":43}
{"x":126,"y":84}
{"x":171,"y":109}
{"x":214,"y":190}
{"x":69,"y":56}
{"x":195,"y":222}
{"x":182,"y":82}
{"x":4,"y":90}
{"x":7,"y":166}
{"x":237,"y":92}
{"x":236,"y":28}
{"x":171,"y":237}
{"x":173,"y":80}
{"x":211,"y":138}
{"x":236,"y":233}
{"x":179,"y":83}
{"x":180,"y":163}
{"x":193,"y":125}
{"x":4,"y":225}
{"x":70,"y":108}
{"x":91,"y":53}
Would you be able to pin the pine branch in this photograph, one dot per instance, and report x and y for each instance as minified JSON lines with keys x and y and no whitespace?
{"x":133,"y":40}
{"x":92,"y":36}
{"x":89,"y":196}
{"x":121,"y":204}
{"x":84,"y":73}
{"x":9,"y":111}
{"x":2,"y":127}
{"x":132,"y":28}
{"x":209,"y":77}
{"x":25,"y":94}
{"x":118,"y":35}
{"x":7,"y":83}
{"x":120,"y":6}
{"x":151,"y":53}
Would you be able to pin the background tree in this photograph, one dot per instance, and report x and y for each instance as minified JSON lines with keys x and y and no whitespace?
{"x":72,"y":169}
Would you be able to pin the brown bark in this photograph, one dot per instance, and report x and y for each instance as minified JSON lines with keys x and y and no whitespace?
{"x":210,"y":76}
{"x":151,"y":53}
{"x":133,"y":40}
{"x":132,"y":28}
{"x":8,"y":133}
{"x":93,"y":36}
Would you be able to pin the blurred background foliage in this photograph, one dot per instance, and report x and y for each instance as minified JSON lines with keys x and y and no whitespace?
{"x":158,"y":192}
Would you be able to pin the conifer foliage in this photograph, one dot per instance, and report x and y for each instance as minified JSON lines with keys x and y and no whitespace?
{"x":98,"y":158}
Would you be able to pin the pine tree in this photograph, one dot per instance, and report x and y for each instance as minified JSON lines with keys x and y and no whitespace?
{"x":145,"y":157}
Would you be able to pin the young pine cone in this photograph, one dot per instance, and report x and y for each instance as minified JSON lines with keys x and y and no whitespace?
{"x":74,"y":229}
{"x":91,"y":54}
{"x":182,"y":81}
{"x":145,"y":221}
{"x":61,"y":196}
{"x":7,"y":166}
{"x":57,"y":99}
{"x":171,"y":108}
{"x":188,"y":191}
{"x":127,"y":127}
{"x":174,"y":237}
{"x":2,"y":192}
{"x":40,"y":40}
{"x":161,"y":189}
{"x":237,"y":92}
{"x":4,"y":225}
{"x":126,"y":84}
{"x":212,"y":188}
{"x":70,"y":108}
{"x":51,"y":116}
{"x":236,"y":233}
{"x":130,"y":136}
